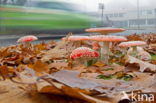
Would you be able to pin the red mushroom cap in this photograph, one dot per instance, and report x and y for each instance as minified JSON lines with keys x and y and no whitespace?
{"x":108,"y":38}
{"x":84,"y":52}
{"x":77,"y":38}
{"x":132,"y":43}
{"x":105,"y":30}
{"x":27,"y":38}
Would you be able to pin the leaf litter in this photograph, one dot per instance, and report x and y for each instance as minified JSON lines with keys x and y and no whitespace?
{"x":44,"y":70}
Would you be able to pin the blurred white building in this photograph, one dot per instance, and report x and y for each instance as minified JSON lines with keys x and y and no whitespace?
{"x":129,"y":18}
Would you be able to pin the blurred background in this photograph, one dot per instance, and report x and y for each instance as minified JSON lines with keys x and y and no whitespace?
{"x":62,"y":16}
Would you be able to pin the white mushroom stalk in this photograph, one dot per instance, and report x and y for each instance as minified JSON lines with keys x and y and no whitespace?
{"x":106,"y":40}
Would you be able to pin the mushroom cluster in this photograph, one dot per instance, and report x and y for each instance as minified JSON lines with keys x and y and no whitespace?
{"x":106,"y":40}
{"x":105,"y":52}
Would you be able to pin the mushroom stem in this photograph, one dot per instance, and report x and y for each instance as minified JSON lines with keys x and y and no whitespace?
{"x":105,"y":52}
{"x":26,"y":45}
{"x":124,"y":51}
{"x":86,"y":63}
{"x":134,"y":51}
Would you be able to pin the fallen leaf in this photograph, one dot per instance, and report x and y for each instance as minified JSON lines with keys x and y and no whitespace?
{"x":58,"y":65}
{"x":99,"y":64}
{"x":5,"y":71}
{"x":39,"y":66}
{"x":143,"y":65}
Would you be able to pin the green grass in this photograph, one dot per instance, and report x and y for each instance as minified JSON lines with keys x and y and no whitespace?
{"x":43,"y":21}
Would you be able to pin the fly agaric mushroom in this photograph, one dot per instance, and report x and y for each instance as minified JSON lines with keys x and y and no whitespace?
{"x":27,"y":39}
{"x":78,"y":39}
{"x":132,"y":44}
{"x":106,"y":39}
{"x":105,"y":30}
{"x":84,"y":54}
{"x":142,"y":54}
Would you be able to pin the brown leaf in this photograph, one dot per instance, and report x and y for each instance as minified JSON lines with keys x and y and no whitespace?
{"x":143,"y":65}
{"x":99,"y":64}
{"x":40,"y":46}
{"x":58,"y":65}
{"x":71,"y":79}
{"x":5,"y":71}
{"x":108,"y":70}
{"x":45,"y":87}
{"x":39,"y":66}
{"x":61,"y":51}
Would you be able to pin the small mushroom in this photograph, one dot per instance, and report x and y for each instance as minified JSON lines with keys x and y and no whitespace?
{"x":132,"y":44}
{"x":84,"y":54}
{"x":142,"y":54}
{"x":27,"y":39}
{"x":105,"y":30}
{"x":106,"y":39}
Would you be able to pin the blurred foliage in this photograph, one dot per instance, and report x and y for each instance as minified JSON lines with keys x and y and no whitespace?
{"x":14,"y":18}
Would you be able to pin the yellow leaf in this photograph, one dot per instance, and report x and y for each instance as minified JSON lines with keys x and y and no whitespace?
{"x":99,"y":64}
{"x":39,"y":66}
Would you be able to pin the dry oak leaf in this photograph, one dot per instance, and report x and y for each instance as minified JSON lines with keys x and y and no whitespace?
{"x":58,"y":88}
{"x":39,"y":66}
{"x":72,"y":79}
{"x":54,"y":54}
{"x":114,"y":68}
{"x":40,"y":46}
{"x":72,"y":86}
{"x":143,"y":65}
{"x":27,"y":76}
{"x":4,"y":52}
{"x":99,"y":64}
{"x":5,"y":71}
{"x":45,"y":87}
{"x":58,"y":65}
{"x":61,"y":51}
